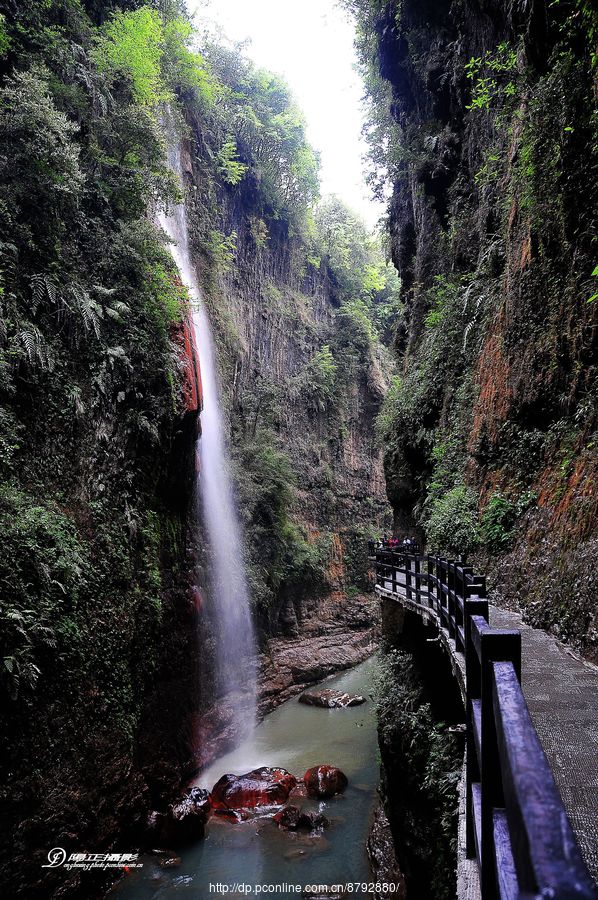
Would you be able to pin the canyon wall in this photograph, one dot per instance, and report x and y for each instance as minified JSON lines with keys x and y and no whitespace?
{"x":303,"y":383}
{"x":489,"y":114}
{"x":103,"y":672}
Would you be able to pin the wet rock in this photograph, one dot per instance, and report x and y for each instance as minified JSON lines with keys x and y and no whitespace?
{"x":233,"y":815}
{"x":184,"y":337}
{"x":325,"y":781}
{"x":382,"y":856}
{"x":261,"y":787}
{"x":186,"y":819}
{"x":330,"y":642}
{"x":294,"y":819}
{"x":295,"y":854}
{"x":298,"y":792}
{"x":170,"y":862}
{"x":154,"y":825}
{"x":331,"y":699}
{"x":287,"y":620}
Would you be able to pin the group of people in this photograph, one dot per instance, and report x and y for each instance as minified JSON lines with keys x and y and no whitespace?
{"x":409,"y":545}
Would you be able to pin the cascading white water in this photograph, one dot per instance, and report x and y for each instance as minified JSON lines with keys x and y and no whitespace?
{"x":229,"y":595}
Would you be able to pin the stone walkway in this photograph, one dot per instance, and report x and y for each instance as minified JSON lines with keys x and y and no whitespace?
{"x":561,"y":691}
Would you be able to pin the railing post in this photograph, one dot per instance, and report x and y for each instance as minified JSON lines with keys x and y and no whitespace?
{"x":503,"y":646}
{"x":393,"y":572}
{"x":417,"y":567}
{"x":440,"y":589}
{"x":462,"y":594}
{"x":430,"y":563}
{"x":450,"y":580}
{"x":475,"y":606}
{"x":407,"y":564}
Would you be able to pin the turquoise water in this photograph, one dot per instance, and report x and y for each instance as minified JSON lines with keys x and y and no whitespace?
{"x":257,"y":852}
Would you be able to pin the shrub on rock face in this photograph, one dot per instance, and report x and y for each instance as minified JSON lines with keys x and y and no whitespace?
{"x":261,"y":787}
{"x":325,"y":781}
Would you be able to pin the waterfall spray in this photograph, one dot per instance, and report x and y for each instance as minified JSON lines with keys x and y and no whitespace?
{"x":234,"y":653}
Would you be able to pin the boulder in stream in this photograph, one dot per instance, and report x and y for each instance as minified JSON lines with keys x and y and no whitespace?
{"x":331,"y":699}
{"x":325,"y":781}
{"x":261,"y":787}
{"x":186,"y":819}
{"x":294,"y":819}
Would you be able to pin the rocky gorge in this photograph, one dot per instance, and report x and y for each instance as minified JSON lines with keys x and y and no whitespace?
{"x":109,"y":643}
{"x":435,"y":378}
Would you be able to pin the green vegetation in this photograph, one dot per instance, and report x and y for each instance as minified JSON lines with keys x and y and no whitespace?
{"x":424,"y":760}
{"x":451,"y":522}
{"x":283,"y":560}
{"x":320,"y":378}
{"x":364,"y":280}
{"x":490,"y":163}
{"x":262,"y":136}
{"x":499,"y":519}
{"x":231,"y":169}
{"x":151,"y":54}
{"x":42,"y":572}
{"x":95,"y":436}
{"x":492,"y":76}
{"x":91,"y":396}
{"x":131,"y":47}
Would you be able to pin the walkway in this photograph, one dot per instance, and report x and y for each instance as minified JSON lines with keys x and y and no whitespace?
{"x":561,"y":691}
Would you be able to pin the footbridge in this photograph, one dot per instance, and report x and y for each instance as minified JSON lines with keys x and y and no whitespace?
{"x":531,"y":706}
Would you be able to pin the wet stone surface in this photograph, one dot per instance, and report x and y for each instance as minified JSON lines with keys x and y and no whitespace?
{"x":561,"y":690}
{"x":331,"y":699}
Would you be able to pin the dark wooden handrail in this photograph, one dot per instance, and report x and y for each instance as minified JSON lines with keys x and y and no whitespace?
{"x":516,"y":824}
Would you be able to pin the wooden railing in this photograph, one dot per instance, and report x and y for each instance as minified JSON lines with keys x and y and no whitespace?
{"x":517,"y":827}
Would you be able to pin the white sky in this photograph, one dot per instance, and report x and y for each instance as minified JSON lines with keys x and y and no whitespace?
{"x":310,"y":43}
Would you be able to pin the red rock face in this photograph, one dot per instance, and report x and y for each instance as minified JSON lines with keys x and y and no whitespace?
{"x":184,"y":335}
{"x":262,"y":787}
{"x":325,"y":781}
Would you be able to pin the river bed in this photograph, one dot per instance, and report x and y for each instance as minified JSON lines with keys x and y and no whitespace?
{"x":295,"y":736}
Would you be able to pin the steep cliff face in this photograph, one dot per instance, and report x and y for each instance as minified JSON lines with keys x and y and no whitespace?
{"x":303,"y":383}
{"x":491,"y":115}
{"x":103,"y":673}
{"x":99,"y":401}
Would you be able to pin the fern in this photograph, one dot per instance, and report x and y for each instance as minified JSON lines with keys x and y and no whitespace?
{"x":35,"y":348}
{"x":43,"y":287}
{"x":90,"y":311}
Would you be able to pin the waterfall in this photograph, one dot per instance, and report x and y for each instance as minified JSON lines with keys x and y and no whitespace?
{"x":229,"y":604}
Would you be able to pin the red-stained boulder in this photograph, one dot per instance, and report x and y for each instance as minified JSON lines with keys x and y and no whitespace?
{"x":298,"y":792}
{"x":262,"y":787}
{"x":186,"y":819}
{"x":325,"y":781}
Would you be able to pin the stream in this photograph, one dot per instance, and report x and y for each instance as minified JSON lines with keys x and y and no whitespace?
{"x":295,"y":736}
